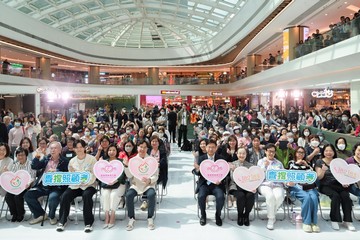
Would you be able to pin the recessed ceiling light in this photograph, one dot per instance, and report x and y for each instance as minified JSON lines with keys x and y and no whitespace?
{"x":345,"y":2}
{"x":326,"y":14}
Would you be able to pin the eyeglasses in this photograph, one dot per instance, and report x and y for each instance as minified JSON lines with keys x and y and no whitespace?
{"x":300,"y":152}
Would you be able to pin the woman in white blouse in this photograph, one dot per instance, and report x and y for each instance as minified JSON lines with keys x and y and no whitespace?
{"x":81,"y":163}
{"x":272,"y":191}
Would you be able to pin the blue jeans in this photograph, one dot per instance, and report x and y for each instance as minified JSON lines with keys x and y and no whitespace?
{"x":31,"y":198}
{"x":151,"y":198}
{"x":355,"y":191}
{"x":309,"y":206}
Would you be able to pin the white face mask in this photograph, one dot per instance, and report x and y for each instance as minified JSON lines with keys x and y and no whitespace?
{"x":236,"y":131}
{"x":291,"y":140}
{"x":161,"y":135}
{"x":341,"y":147}
{"x":315,"y":143}
{"x":267,"y":135}
{"x":245,"y":134}
{"x":101,"y":132}
{"x":87,"y":133}
{"x":294,"y":130}
{"x":344,"y":119}
{"x":128,"y":148}
{"x":253,"y":133}
{"x":111,"y":132}
{"x":306,"y":134}
{"x":162,"y":113}
{"x":128,"y":131}
{"x":17,"y":124}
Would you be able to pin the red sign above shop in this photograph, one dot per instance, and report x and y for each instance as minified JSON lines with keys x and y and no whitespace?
{"x":170,"y":92}
{"x":216,"y":93}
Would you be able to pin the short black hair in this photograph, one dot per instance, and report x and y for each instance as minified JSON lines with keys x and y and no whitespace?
{"x":332,"y":147}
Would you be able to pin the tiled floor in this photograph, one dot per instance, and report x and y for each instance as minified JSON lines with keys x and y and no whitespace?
{"x":176,"y":219}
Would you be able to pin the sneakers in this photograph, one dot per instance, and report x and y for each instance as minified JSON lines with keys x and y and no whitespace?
{"x":38,"y":219}
{"x":53,"y":221}
{"x":307,"y":228}
{"x":151,"y":224}
{"x":335,"y":225}
{"x":315,"y":228}
{"x":60,"y":227}
{"x":270,"y":224}
{"x":88,"y":228}
{"x":144,"y":206}
{"x":130,"y":225}
{"x":349,"y":226}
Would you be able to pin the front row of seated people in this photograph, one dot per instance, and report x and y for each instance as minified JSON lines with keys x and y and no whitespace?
{"x":273,"y":192}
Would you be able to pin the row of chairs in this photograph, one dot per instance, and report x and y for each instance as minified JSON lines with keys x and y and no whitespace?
{"x":77,"y":207}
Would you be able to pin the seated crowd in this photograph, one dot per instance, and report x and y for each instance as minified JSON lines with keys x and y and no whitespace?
{"x":268,"y":138}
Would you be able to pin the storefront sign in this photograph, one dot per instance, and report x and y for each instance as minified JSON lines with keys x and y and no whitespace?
{"x":326,"y":93}
{"x":216,"y":93}
{"x":295,"y":176}
{"x":170,"y":92}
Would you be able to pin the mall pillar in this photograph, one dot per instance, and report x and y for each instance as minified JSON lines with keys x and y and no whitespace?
{"x":94,"y":74}
{"x":252,"y":62}
{"x":153,"y":75}
{"x":232,"y":74}
{"x":354,"y":97}
{"x":292,"y":36}
{"x":37,"y":104}
{"x":43,"y":68}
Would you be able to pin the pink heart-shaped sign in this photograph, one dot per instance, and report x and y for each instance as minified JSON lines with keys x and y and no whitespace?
{"x":15,"y":183}
{"x":214,"y":171}
{"x":345,"y":173}
{"x":248,"y":179}
{"x":141,"y":168}
{"x":108,"y":172}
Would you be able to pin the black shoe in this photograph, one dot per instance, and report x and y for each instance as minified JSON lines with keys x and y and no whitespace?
{"x":240,"y":221}
{"x":20,"y":218}
{"x":218,"y":220}
{"x":203,"y":221}
{"x":246,"y":221}
{"x":13,"y":219}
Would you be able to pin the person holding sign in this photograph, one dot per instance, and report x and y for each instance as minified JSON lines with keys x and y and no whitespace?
{"x":50,"y":163}
{"x":111,"y":193}
{"x":338,"y":193}
{"x":144,"y":185}
{"x":205,"y":188}
{"x":5,"y":162}
{"x":16,"y":202}
{"x":272,"y":191}
{"x":355,"y":159}
{"x":244,"y":199}
{"x":83,"y":162}
{"x":306,"y":193}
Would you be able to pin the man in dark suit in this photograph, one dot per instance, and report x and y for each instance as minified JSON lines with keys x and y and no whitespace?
{"x":183,"y":121}
{"x":205,"y":188}
{"x":172,"y":121}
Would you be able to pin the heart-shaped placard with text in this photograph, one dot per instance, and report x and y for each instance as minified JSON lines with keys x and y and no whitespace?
{"x":343,"y":172}
{"x":15,"y":183}
{"x":141,"y":168}
{"x":248,"y":179}
{"x":214,"y":171}
{"x":108,"y":172}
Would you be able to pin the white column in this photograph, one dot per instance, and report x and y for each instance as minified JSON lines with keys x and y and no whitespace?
{"x":37,"y":104}
{"x":355,"y":97}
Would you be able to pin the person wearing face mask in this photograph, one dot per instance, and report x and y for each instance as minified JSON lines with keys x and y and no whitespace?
{"x":345,"y":125}
{"x":112,"y":136}
{"x":245,"y":141}
{"x":90,"y":140}
{"x":341,"y":148}
{"x":268,"y":138}
{"x":129,"y":151}
{"x":329,"y":124}
{"x":15,"y":135}
{"x":313,"y":151}
{"x":301,"y":118}
{"x":322,"y":139}
{"x":147,"y":121}
{"x":162,"y":119}
{"x":303,"y":139}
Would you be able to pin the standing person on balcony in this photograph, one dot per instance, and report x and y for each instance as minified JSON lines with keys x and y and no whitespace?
{"x":5,"y":67}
